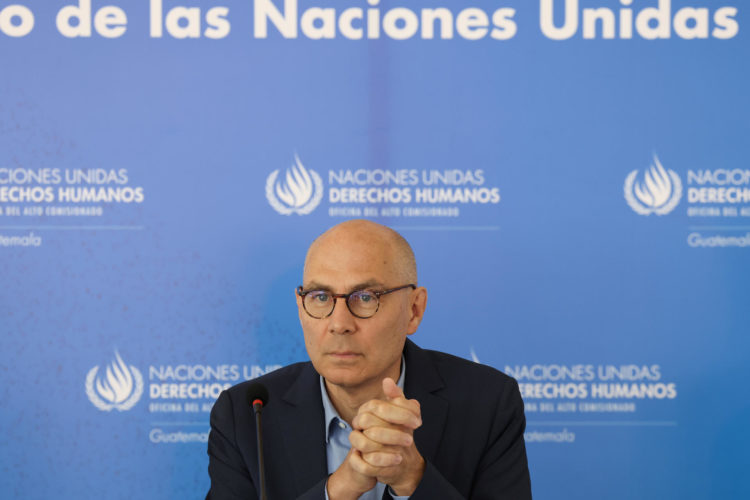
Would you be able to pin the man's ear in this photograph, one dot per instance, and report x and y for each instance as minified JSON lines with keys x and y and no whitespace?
{"x":418,"y":305}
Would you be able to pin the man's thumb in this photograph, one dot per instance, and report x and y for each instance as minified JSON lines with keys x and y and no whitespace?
{"x":391,"y":390}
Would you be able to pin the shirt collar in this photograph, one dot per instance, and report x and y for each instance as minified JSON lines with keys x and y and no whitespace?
{"x":329,"y":411}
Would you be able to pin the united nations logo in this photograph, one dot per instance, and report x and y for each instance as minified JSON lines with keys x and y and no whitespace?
{"x":658,"y":193}
{"x":300,"y":191}
{"x":119,"y":387}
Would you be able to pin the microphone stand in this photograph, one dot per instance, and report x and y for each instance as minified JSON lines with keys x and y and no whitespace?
{"x":257,"y":407}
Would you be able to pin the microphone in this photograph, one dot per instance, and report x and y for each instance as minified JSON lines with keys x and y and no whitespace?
{"x":257,"y":397}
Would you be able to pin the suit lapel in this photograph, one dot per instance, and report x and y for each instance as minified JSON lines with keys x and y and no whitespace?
{"x":422,"y":382}
{"x":303,"y":430}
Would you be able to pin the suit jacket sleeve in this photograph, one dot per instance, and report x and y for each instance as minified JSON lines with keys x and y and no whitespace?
{"x":502,"y":471}
{"x":227,"y":467}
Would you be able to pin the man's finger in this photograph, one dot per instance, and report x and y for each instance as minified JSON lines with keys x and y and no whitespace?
{"x":392,"y":413}
{"x":365,"y":420}
{"x":408,"y":404}
{"x":392,"y":437}
{"x":360,"y":465}
{"x":380,"y":459}
{"x":379,"y":430}
{"x":368,"y":444}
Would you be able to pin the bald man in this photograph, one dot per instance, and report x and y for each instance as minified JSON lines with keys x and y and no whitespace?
{"x":372,"y":415}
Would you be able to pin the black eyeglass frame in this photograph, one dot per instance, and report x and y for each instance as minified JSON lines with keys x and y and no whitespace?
{"x":346,"y":296}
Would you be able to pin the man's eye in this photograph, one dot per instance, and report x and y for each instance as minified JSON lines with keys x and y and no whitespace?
{"x":321,"y":297}
{"x":365,"y":297}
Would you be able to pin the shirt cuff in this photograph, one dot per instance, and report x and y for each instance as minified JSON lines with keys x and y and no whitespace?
{"x":395,"y":497}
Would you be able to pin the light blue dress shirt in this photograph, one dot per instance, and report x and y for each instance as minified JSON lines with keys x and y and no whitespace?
{"x":337,"y":439}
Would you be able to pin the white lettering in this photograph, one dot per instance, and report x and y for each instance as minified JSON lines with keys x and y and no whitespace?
{"x":327,"y":28}
{"x":286,"y":23}
{"x":25,"y":20}
{"x":547,"y":22}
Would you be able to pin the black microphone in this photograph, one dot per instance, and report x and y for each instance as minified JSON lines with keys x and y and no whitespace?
{"x":257,"y":396}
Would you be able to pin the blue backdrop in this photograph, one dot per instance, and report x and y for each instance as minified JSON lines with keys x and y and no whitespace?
{"x":573,"y":177}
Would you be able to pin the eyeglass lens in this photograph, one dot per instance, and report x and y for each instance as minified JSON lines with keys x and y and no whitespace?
{"x":321,"y":303}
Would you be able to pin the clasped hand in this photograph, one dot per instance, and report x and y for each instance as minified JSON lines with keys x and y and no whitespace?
{"x":383,"y":446}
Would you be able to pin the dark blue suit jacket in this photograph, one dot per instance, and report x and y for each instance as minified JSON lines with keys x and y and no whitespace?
{"x":471,"y":437}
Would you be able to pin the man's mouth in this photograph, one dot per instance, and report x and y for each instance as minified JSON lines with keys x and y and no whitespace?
{"x":344,"y":354}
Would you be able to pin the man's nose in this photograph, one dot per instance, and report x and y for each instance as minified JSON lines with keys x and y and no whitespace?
{"x":341,"y":321}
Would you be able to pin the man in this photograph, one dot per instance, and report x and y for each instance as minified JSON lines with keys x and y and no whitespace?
{"x":422,"y":424}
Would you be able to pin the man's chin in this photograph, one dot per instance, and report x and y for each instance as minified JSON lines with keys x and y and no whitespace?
{"x":342,"y":376}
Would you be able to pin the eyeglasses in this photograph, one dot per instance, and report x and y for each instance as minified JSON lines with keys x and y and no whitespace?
{"x":363,"y":304}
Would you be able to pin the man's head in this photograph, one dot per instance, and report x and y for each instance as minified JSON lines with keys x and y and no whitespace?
{"x":353,"y":352}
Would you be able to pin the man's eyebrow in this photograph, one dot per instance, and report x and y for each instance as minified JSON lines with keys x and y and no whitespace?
{"x":314,"y":285}
{"x":372,"y":283}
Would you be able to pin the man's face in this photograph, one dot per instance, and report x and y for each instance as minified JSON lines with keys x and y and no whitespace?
{"x":352,"y":352}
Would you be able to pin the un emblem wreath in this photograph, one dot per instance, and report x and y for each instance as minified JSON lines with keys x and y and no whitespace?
{"x":103,"y":405}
